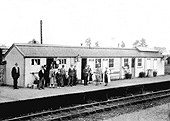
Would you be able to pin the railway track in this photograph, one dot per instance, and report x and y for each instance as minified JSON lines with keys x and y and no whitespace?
{"x":92,"y":108}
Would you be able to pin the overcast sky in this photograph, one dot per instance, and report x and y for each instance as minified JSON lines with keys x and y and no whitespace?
{"x":71,"y":22}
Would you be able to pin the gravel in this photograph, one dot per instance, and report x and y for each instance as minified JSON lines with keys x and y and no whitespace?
{"x":117,"y":112}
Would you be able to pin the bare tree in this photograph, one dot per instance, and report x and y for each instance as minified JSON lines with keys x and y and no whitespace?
{"x":143,"y":43}
{"x":97,"y":44}
{"x":88,"y":42}
{"x":122,"y":44}
{"x":140,"y":43}
{"x":161,"y":49}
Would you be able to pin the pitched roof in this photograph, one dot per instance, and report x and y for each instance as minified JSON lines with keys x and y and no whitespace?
{"x":146,"y":49}
{"x":41,"y":50}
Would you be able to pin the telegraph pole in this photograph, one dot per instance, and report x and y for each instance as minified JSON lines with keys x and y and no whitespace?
{"x":41,"y":31}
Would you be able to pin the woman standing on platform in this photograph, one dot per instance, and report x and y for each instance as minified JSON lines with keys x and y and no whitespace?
{"x":106,"y":76}
{"x":98,"y":75}
{"x":56,"y":75}
{"x":52,"y":77}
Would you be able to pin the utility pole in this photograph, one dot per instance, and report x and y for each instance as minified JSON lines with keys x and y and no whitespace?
{"x":41,"y":31}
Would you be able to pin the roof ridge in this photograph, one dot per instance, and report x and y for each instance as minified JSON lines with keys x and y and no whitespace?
{"x":67,"y":46}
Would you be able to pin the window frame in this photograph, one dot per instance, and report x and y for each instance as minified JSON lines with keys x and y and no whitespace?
{"x":62,"y":61}
{"x":126,"y":63}
{"x":139,"y":64}
{"x":111,"y":62}
{"x":35,"y":61}
{"x":97,"y":60}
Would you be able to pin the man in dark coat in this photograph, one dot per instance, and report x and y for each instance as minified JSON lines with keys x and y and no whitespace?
{"x":46,"y":76}
{"x":75,"y":76}
{"x":71,"y":75}
{"x":41,"y":75}
{"x":15,"y":75}
{"x":63,"y":75}
{"x":85,"y":73}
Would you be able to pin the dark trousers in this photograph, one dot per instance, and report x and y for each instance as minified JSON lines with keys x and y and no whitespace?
{"x":106,"y":79}
{"x":41,"y":83}
{"x":70,"y":80}
{"x":85,"y":80}
{"x":62,"y":80}
{"x":75,"y":80}
{"x":15,"y":83}
{"x":47,"y":81}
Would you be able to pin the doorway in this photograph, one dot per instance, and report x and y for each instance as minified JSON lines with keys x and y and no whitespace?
{"x":49,"y":62}
{"x":133,"y":67}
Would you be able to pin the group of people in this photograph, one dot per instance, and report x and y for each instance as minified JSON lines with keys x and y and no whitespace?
{"x":57,"y":77}
{"x":98,"y":75}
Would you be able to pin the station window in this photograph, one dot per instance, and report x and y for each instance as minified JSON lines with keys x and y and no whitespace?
{"x":97,"y":61}
{"x":139,"y":62}
{"x":62,"y":61}
{"x":111,"y":62}
{"x":126,"y":62}
{"x":35,"y":62}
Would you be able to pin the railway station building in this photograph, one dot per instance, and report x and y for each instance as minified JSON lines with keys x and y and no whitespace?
{"x":30,"y":58}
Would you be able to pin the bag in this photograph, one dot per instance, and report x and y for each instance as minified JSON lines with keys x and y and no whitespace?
{"x":36,"y":81}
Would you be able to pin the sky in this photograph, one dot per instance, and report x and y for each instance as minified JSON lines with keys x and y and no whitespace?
{"x":71,"y":22}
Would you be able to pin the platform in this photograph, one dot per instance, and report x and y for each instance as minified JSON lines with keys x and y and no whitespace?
{"x":8,"y":94}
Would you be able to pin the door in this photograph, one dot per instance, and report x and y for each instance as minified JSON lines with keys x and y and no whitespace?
{"x":105,"y":64}
{"x":49,"y":62}
{"x":133,"y":67}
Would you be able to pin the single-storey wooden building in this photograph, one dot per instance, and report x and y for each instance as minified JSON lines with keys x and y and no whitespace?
{"x":30,"y":57}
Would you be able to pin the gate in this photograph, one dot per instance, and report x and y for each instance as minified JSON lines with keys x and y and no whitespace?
{"x":2,"y":74}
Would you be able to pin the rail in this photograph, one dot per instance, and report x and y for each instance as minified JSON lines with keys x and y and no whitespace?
{"x":96,"y":107}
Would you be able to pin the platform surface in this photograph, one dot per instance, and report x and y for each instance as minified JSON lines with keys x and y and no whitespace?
{"x":8,"y":94}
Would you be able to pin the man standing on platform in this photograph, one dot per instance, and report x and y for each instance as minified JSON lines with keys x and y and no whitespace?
{"x":75,"y":76}
{"x":63,"y":75}
{"x":85,"y":73}
{"x":71,"y":75}
{"x":41,"y":75}
{"x":15,"y":75}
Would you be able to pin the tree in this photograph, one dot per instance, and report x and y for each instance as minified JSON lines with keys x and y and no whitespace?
{"x":97,"y":44}
{"x":33,"y":41}
{"x":88,"y":42}
{"x":161,"y":49}
{"x":143,"y":43}
{"x":140,"y":43}
{"x":136,"y":43}
{"x":122,"y":44}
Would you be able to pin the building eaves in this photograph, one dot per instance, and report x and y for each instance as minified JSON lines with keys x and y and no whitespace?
{"x":38,"y":50}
